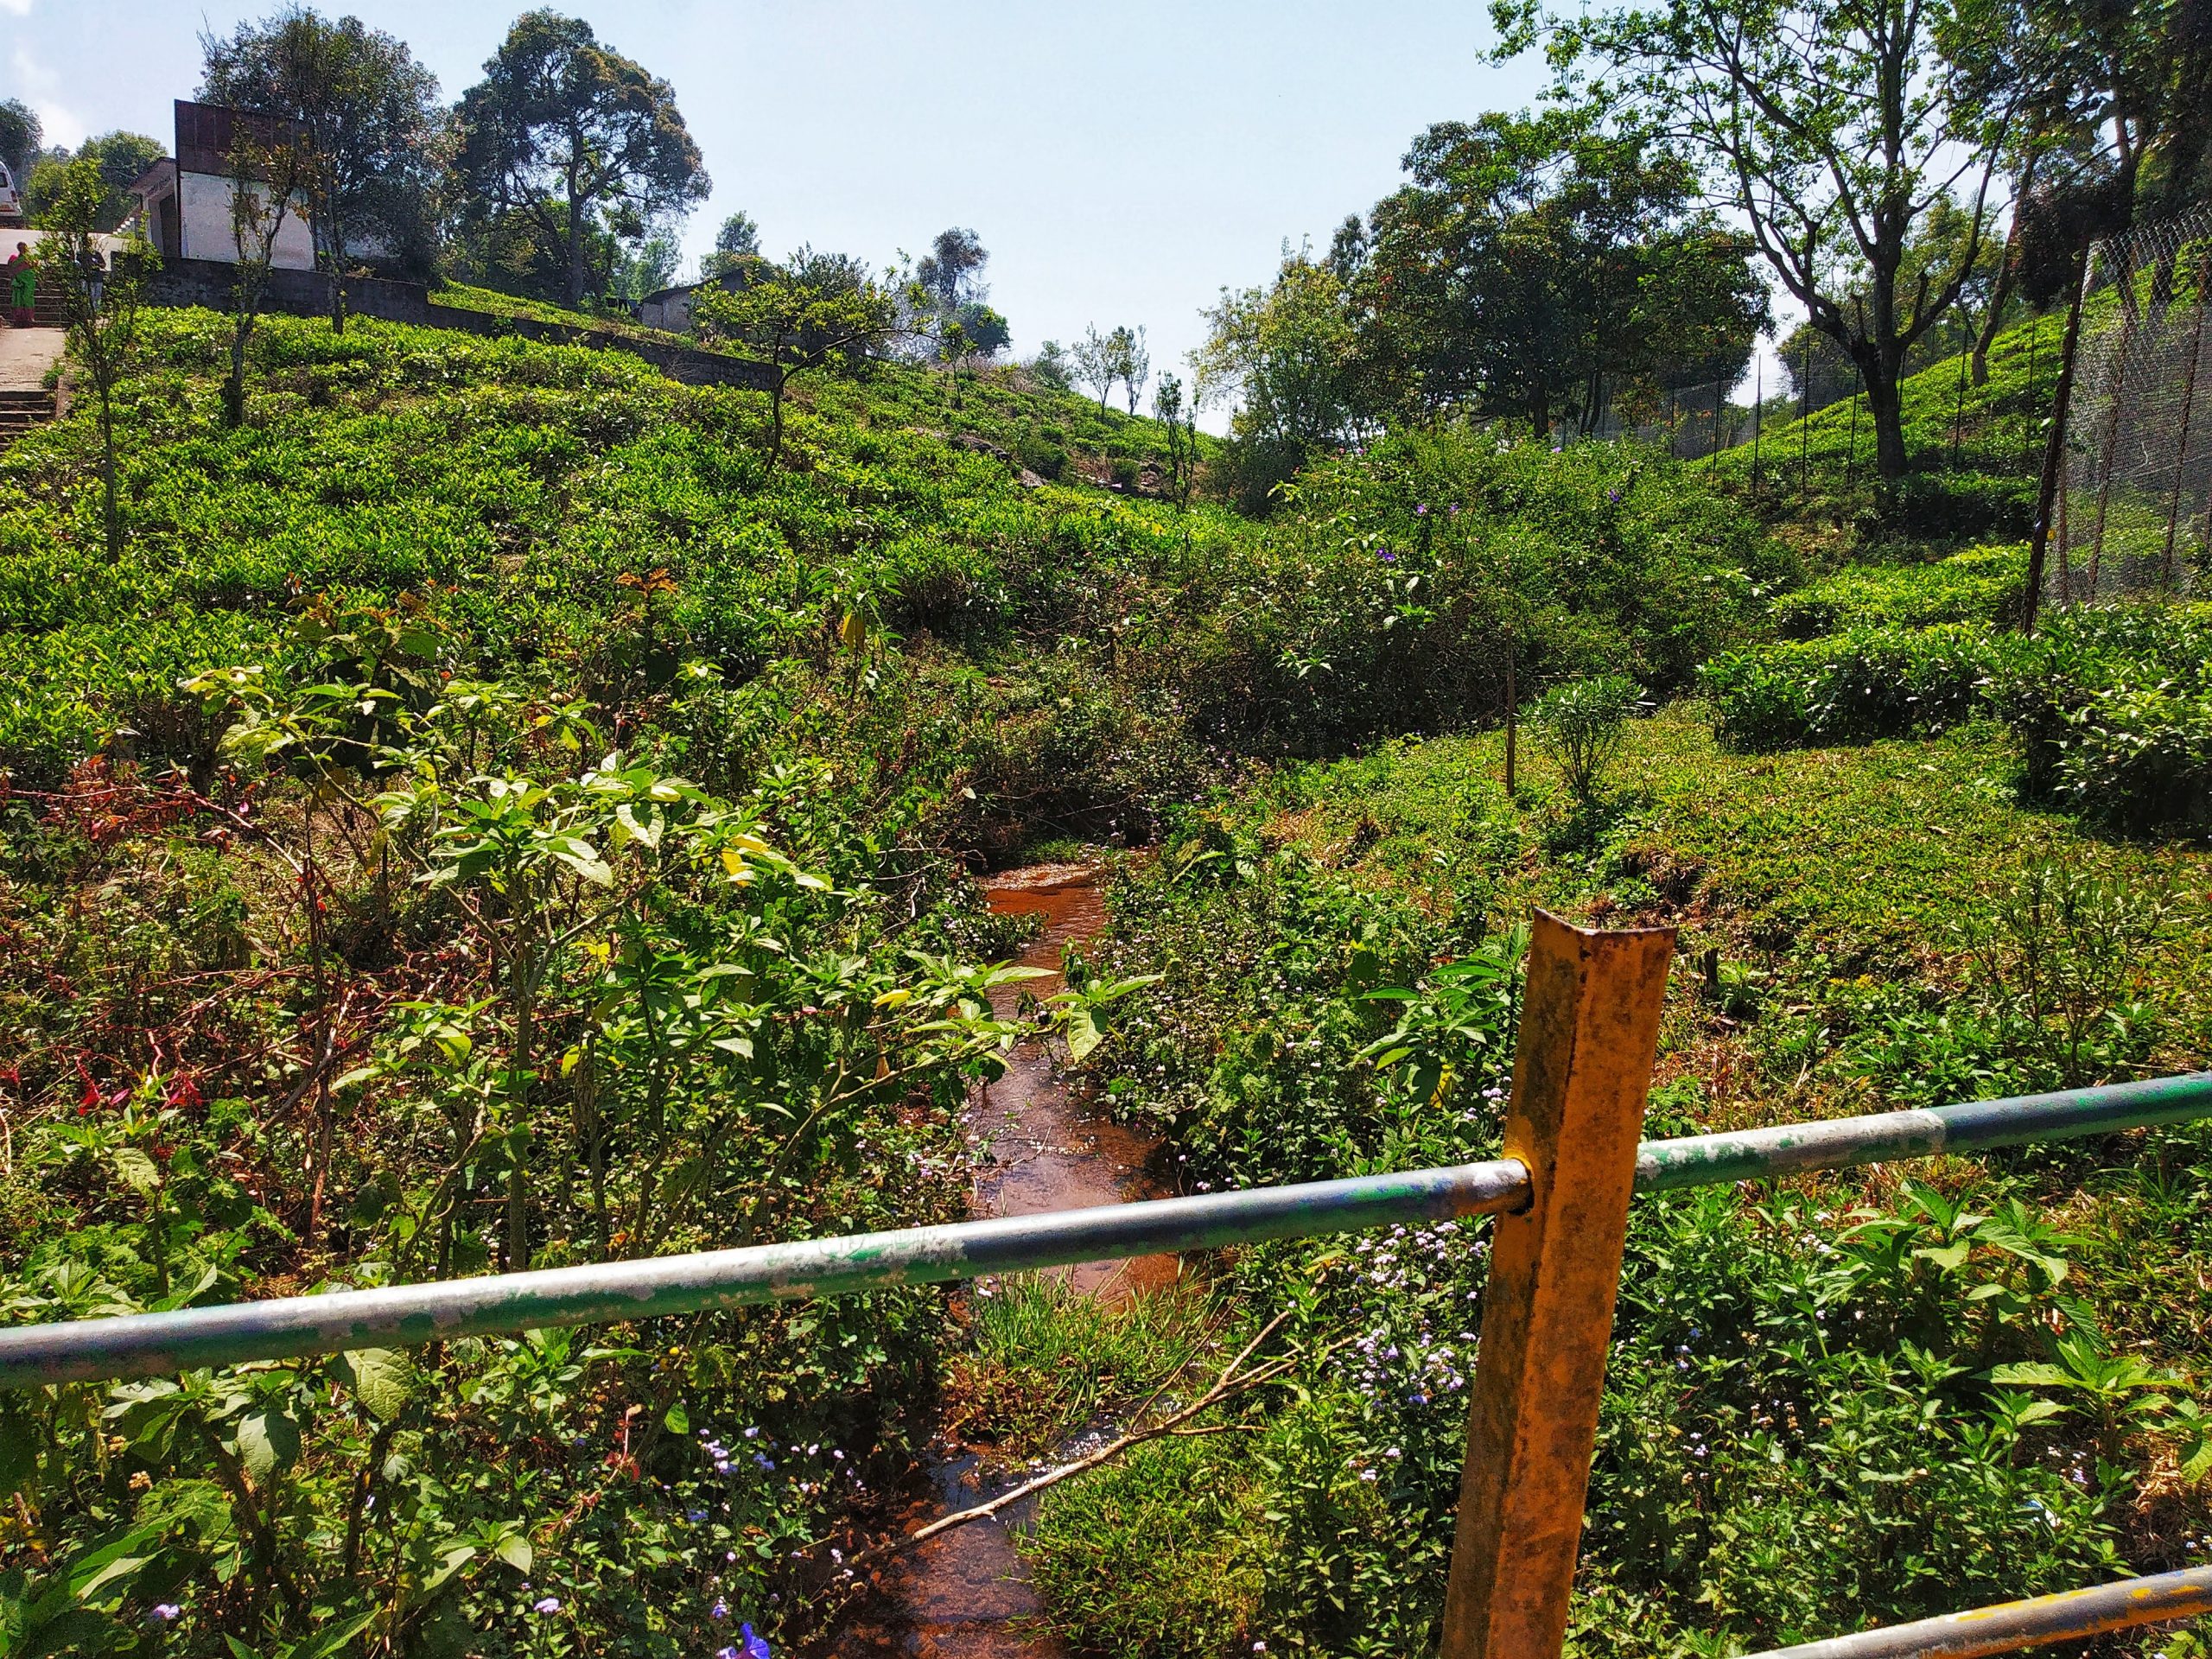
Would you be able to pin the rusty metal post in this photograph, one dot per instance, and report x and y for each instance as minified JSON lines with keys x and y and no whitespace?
{"x":1589,"y":1032}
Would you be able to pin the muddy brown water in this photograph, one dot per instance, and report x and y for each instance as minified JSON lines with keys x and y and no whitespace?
{"x":964,"y":1594}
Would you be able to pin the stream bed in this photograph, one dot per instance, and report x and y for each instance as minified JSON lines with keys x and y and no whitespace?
{"x":964,"y":1594}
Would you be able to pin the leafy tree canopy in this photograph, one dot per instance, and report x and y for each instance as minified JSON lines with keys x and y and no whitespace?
{"x":569,"y":134}
{"x":115,"y":159}
{"x":821,"y":310}
{"x":1532,"y":259}
{"x":368,"y":111}
{"x":21,"y":135}
{"x":736,"y":242}
{"x":1831,"y":132}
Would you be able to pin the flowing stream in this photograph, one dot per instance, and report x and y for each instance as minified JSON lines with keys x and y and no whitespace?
{"x":964,"y":1594}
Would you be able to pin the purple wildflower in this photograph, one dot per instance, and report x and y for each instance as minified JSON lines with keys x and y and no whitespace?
{"x":163,"y":1611}
{"x":720,"y":1611}
{"x":1421,"y":508}
{"x":754,"y":1647}
{"x":550,"y":1605}
{"x":1388,"y":557}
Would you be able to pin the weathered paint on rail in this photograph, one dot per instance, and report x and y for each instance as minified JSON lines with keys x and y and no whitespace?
{"x":1758,"y":1154}
{"x":151,"y":1344}
{"x":2013,"y":1624}
{"x":147,"y":1345}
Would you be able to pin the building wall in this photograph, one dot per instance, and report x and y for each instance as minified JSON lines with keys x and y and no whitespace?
{"x":204,"y":216}
{"x":670,"y":310}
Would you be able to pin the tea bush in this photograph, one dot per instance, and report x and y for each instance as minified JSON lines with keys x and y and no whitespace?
{"x":2113,"y":706}
{"x":1983,"y":585}
{"x":1851,"y":687}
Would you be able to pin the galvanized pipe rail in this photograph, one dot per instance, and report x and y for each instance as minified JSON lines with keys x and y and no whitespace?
{"x":1582,"y":1072}
{"x":2066,"y":1616}
{"x":151,"y":1344}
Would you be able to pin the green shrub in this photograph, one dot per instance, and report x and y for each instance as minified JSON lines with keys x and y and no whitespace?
{"x":1580,"y":726}
{"x":1983,"y":585}
{"x":1851,"y":687}
{"x":2113,"y":708}
{"x":1395,"y":585}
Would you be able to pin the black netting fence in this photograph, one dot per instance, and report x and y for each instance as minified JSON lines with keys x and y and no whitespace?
{"x":2133,"y":513}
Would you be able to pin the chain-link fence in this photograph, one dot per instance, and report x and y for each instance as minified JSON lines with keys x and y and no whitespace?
{"x":2135,"y":492}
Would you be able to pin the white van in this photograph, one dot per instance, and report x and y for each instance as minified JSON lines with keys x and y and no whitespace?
{"x":11,"y":199}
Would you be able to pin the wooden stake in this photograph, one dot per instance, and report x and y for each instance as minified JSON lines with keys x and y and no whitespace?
{"x":1589,"y":1032}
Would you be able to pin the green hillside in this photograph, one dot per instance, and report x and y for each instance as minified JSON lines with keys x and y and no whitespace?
{"x":1976,"y":451}
{"x":492,"y":817}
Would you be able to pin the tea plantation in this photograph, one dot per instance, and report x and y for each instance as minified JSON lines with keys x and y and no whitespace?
{"x":492,"y":817}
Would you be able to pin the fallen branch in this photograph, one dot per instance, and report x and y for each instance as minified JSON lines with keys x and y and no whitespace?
{"x":1233,"y":1381}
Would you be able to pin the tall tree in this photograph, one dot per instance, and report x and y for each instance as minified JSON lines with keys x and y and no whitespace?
{"x":1285,"y":358}
{"x":1092,"y":363}
{"x":1132,"y":360}
{"x":21,"y":135}
{"x":1533,"y":261}
{"x":647,"y":269}
{"x":564,"y":130}
{"x":1180,"y":422}
{"x":737,"y":241}
{"x":951,"y":272}
{"x":1830,"y":128}
{"x":120,"y":159}
{"x":365,"y":109}
{"x":952,"y":299}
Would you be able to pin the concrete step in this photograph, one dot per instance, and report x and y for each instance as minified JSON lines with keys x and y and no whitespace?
{"x":21,"y":412}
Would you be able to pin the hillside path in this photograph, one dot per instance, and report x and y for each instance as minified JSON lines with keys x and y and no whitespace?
{"x":26,"y":354}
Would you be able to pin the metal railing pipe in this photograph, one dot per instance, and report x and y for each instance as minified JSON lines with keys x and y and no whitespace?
{"x":2011,"y":1625}
{"x":1977,"y":1126}
{"x":148,"y":1344}
{"x":144,"y":1345}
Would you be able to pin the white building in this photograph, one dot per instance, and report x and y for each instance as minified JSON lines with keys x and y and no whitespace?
{"x":185,"y":198}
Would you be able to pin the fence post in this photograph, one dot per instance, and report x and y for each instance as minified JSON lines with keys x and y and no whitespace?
{"x":1589,"y":1032}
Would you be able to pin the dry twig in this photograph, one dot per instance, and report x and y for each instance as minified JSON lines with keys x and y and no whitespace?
{"x":1233,"y":1381}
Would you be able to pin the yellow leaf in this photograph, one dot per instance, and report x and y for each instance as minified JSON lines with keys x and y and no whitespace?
{"x":853,"y":630}
{"x":894,"y":999}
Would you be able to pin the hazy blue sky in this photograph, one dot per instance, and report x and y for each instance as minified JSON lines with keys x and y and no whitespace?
{"x":1122,"y":162}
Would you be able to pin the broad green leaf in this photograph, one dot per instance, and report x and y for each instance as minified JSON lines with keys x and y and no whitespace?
{"x":383,"y":1378}
{"x":138,"y":1171}
{"x":677,"y":1420}
{"x":454,"y":1560}
{"x":579,"y":856}
{"x":631,"y":824}
{"x":1084,"y":1034}
{"x":337,"y":1638}
{"x":514,"y":1549}
{"x":2197,"y":1462}
{"x":2040,"y":1376}
{"x":268,"y":1440}
{"x":123,"y":1566}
